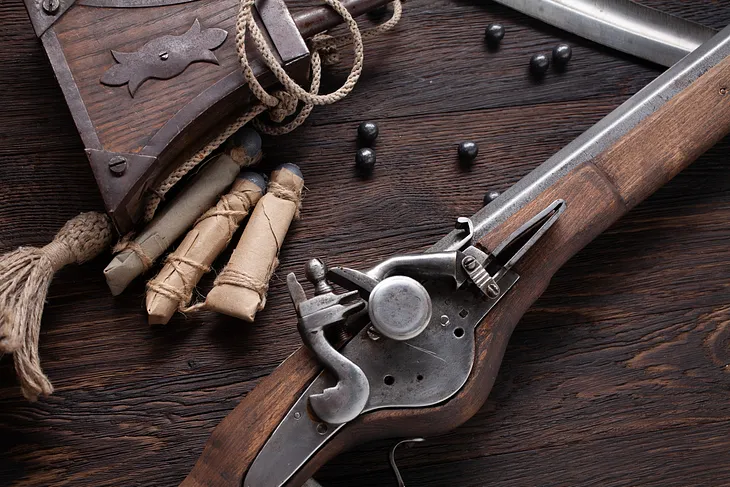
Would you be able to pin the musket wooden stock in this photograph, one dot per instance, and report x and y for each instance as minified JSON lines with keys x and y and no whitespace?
{"x":597,"y":193}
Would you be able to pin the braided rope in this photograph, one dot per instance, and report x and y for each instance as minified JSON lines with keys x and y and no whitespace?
{"x":245,"y":23}
{"x":26,"y":273}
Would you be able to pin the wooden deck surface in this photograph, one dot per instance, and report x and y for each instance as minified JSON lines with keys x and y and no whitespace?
{"x":618,"y":376}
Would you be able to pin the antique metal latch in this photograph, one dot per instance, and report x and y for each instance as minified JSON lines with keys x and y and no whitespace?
{"x":413,"y":319}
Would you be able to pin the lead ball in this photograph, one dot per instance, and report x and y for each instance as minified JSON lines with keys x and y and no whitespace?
{"x":365,"y":160}
{"x":468,"y":151}
{"x":367,"y":132}
{"x":539,"y":64}
{"x":562,"y":53}
{"x":493,"y":34}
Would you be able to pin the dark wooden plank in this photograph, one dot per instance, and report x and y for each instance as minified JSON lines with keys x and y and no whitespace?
{"x":34,"y":113}
{"x":688,"y":453}
{"x":616,"y":372}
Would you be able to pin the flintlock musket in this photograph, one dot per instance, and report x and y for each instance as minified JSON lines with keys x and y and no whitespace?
{"x":428,"y":332}
{"x":149,"y":81}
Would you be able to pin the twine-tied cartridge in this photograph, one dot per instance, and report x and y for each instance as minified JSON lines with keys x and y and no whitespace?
{"x":134,"y":257}
{"x":173,"y":287}
{"x":240,"y":289}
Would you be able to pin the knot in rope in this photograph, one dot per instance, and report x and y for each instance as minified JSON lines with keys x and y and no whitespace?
{"x":285,"y":107}
{"x":127,"y":243}
{"x":225,"y":208}
{"x":281,"y":191}
{"x":82,"y":238}
{"x":181,"y":296}
{"x":237,"y":278}
{"x":326,"y":46}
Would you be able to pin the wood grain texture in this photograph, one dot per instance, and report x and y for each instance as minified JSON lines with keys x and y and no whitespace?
{"x":616,"y":376}
{"x":670,"y":139}
{"x":592,"y":205}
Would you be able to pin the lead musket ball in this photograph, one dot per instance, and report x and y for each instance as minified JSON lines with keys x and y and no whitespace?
{"x":490,"y":196}
{"x":539,"y":64}
{"x":493,"y":34}
{"x":365,"y":160}
{"x":468,"y":151}
{"x":367,"y":132}
{"x":562,"y":53}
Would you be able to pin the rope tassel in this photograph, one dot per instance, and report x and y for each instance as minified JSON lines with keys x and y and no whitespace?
{"x":25,"y":275}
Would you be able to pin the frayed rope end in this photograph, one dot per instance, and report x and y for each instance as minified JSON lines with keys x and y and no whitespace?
{"x":25,"y":275}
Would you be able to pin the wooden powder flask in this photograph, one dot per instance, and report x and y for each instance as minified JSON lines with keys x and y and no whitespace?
{"x":149,"y":82}
{"x":600,"y":177}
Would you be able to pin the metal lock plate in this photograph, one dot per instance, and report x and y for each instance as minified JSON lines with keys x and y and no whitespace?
{"x":402,"y":374}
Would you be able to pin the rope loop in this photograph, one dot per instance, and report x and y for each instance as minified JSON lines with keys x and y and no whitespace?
{"x":245,"y":23}
{"x":286,"y":106}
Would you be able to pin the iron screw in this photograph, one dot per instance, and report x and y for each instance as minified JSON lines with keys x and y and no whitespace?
{"x":723,"y":91}
{"x":470,"y":263}
{"x":445,"y":320}
{"x":493,"y":290}
{"x":539,"y":64}
{"x":297,"y":415}
{"x":51,"y":6}
{"x":117,"y":165}
{"x":164,"y":55}
{"x":372,"y":334}
{"x":493,"y":34}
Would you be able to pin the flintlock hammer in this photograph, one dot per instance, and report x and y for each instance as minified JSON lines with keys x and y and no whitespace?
{"x":428,"y":332}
